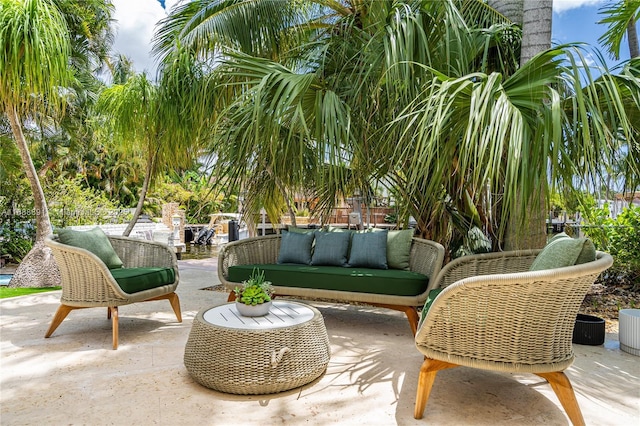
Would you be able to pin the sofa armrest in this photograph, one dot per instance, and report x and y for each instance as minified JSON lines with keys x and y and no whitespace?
{"x":426,"y":258}
{"x":256,"y":250}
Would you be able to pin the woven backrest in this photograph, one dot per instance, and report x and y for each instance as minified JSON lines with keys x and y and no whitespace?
{"x":507,"y":321}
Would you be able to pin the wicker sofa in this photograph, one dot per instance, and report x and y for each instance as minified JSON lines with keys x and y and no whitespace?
{"x":426,"y":258}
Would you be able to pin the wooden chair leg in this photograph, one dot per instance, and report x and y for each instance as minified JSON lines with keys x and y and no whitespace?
{"x":114,"y":325}
{"x":61,"y":314}
{"x":564,"y":391}
{"x":175,"y":303}
{"x":428,"y":371}
{"x":232,"y":297}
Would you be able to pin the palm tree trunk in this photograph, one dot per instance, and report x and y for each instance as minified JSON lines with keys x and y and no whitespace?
{"x":536,"y":28}
{"x":143,"y":195}
{"x":536,"y":37}
{"x":43,"y":223}
{"x":511,"y":9}
{"x":38,"y":268}
{"x":632,"y":33}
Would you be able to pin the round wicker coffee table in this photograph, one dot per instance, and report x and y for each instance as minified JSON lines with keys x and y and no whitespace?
{"x":257,"y":355}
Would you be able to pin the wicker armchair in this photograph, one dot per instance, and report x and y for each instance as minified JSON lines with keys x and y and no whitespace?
{"x":496,"y":315}
{"x":88,"y":283}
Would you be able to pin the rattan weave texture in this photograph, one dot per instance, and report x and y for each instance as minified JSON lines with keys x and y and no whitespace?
{"x":257,"y":361}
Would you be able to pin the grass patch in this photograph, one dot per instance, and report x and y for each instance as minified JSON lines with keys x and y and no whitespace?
{"x":23,"y":291}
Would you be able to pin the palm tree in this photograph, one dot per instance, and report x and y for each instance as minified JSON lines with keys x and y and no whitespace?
{"x":149,"y":120}
{"x":621,"y":17}
{"x":34,"y":65}
{"x":426,"y":98}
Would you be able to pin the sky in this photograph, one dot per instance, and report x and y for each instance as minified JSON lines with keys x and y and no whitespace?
{"x":573,"y":21}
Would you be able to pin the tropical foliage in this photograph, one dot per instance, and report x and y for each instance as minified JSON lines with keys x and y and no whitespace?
{"x":423,"y":97}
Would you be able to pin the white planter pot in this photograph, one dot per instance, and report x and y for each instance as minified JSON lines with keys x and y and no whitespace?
{"x":629,"y":331}
{"x":253,"y":310}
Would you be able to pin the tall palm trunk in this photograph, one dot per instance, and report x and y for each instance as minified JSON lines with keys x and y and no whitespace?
{"x":632,"y":33}
{"x":511,"y":9}
{"x":536,"y":37}
{"x":38,"y":268}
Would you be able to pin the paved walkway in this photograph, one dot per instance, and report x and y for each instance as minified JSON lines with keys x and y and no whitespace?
{"x":76,"y":378}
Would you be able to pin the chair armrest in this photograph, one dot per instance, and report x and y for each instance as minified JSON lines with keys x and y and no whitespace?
{"x":426,"y":257}
{"x":256,"y":250}
{"x":484,"y":264}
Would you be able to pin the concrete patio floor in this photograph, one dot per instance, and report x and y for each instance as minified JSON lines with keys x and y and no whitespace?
{"x":75,"y":377}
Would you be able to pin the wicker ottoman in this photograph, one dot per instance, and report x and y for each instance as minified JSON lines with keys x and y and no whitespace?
{"x":257,"y":355}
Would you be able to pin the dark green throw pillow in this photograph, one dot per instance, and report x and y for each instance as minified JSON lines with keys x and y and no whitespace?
{"x":562,"y":251}
{"x":295,"y":248}
{"x":369,"y":250}
{"x":95,"y":241}
{"x":331,"y":248}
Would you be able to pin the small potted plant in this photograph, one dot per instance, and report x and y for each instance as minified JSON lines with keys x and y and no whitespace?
{"x":253,"y":298}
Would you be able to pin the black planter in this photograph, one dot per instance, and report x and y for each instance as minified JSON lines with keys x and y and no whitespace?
{"x":589,"y":330}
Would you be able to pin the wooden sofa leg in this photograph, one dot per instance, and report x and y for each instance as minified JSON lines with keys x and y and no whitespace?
{"x":564,"y":391}
{"x":61,"y":314}
{"x":428,"y":371}
{"x":410,"y":311}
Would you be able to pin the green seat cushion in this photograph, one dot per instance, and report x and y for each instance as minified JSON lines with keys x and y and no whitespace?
{"x":133,"y":280}
{"x":331,"y":248}
{"x":362,"y":280}
{"x":369,"y":250}
{"x":95,"y":241}
{"x":562,"y":251}
{"x":399,"y":248}
{"x":295,"y":247}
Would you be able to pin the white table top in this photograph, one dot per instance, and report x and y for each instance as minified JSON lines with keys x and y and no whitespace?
{"x":282,"y":314}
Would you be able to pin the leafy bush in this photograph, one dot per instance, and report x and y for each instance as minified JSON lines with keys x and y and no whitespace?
{"x":72,"y":203}
{"x":621,"y":238}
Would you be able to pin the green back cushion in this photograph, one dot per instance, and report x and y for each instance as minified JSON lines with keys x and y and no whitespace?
{"x":95,"y":241}
{"x":295,"y":248}
{"x":133,"y":280}
{"x":399,"y":248}
{"x":562,"y":251}
{"x":427,"y":304}
{"x":300,"y":230}
{"x":331,"y":248}
{"x":361,"y":280}
{"x":369,"y":250}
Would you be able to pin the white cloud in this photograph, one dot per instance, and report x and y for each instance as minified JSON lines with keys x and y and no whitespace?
{"x":560,"y":6}
{"x":136,"y":20}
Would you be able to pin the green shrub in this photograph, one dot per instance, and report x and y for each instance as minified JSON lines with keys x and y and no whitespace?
{"x":621,"y":238}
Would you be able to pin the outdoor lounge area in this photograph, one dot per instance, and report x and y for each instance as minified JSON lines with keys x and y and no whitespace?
{"x":75,"y":377}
